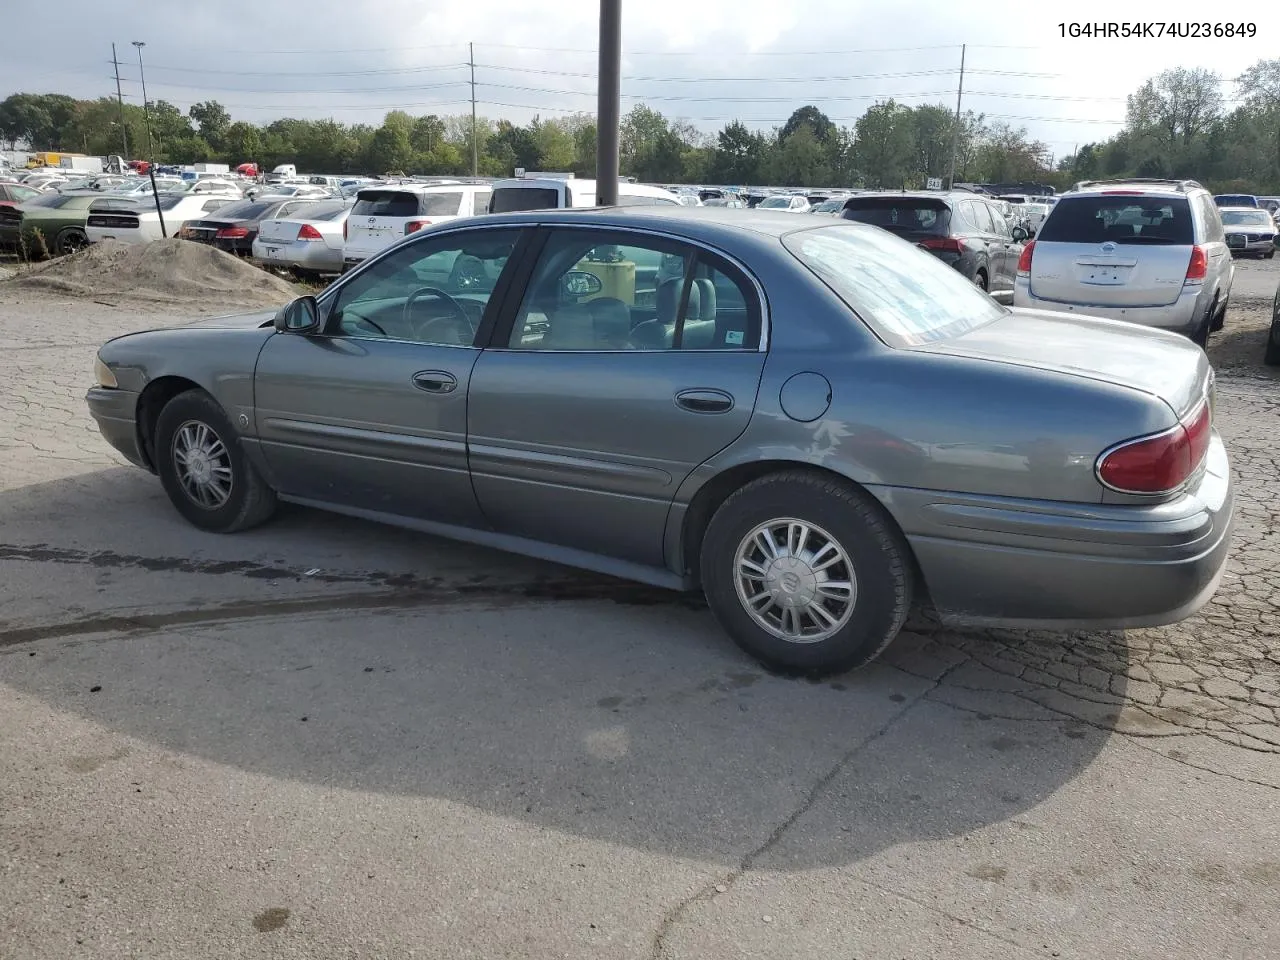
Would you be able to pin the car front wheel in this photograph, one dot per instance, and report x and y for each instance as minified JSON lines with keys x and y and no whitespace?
{"x":805,"y":573}
{"x":203,"y":469}
{"x":1272,"y":355}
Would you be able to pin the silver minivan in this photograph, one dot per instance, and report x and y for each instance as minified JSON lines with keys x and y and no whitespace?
{"x":1152,"y":252}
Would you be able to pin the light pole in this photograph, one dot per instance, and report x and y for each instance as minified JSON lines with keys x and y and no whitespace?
{"x":146,"y":109}
{"x":608,"y":108}
{"x":151,"y":154}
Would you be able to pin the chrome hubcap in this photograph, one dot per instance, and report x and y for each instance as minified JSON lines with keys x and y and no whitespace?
{"x":795,"y":580}
{"x":203,"y":465}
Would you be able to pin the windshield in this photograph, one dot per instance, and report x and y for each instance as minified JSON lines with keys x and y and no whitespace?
{"x":900,"y":214}
{"x":907,"y":296}
{"x":775,"y":203}
{"x":1099,"y":218}
{"x":1246,"y":218}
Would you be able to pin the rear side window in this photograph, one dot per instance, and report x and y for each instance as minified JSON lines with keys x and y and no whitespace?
{"x":900,"y":214}
{"x":906,"y":295}
{"x":515,"y":199}
{"x":1098,"y":218}
{"x":385,"y":203}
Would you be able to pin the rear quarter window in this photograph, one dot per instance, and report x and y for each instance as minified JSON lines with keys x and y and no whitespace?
{"x":440,"y":204}
{"x":385,"y":203}
{"x":1121,"y":218}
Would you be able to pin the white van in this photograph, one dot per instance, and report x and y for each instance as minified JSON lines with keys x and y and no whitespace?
{"x":384,"y":214}
{"x":553,"y":193}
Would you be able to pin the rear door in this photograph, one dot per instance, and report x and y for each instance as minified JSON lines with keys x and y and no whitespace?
{"x":590,"y":407}
{"x":1114,"y":249}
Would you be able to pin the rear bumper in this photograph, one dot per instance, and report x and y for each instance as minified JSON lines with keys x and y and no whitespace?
{"x":1183,"y":316}
{"x":114,"y":411}
{"x":1002,"y":562}
{"x":303,"y":254}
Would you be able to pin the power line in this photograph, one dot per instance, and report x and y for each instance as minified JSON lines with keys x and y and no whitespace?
{"x":311,"y":74}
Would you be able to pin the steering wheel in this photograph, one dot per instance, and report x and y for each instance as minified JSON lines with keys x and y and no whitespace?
{"x":438,"y":294}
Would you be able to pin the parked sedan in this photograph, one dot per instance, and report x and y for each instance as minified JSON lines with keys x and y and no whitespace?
{"x":308,"y":244}
{"x":962,"y":230}
{"x":766,"y":428}
{"x":1250,"y":232}
{"x":233,"y":228}
{"x":135,"y":219}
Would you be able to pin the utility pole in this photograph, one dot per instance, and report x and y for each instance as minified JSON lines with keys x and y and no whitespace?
{"x":475,"y":144}
{"x":955,"y":130}
{"x":608,"y":100}
{"x":124,"y":133}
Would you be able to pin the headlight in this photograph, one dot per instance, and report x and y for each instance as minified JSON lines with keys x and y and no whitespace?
{"x":102,"y":373}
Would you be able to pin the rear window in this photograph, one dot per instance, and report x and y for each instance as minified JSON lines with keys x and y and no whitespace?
{"x":326,"y":211}
{"x":1098,"y":218}
{"x":900,"y":214}
{"x":50,"y":200}
{"x":244,"y":210}
{"x":906,"y":295}
{"x":515,"y":199}
{"x":1235,"y":200}
{"x":385,"y":203}
{"x":1246,"y":218}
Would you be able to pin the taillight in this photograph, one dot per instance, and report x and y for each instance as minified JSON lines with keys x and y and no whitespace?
{"x":1198,"y":266}
{"x":308,"y":232}
{"x":413,"y":226}
{"x":945,"y":244}
{"x":231,"y":233}
{"x":1024,"y":260}
{"x":1161,"y":463}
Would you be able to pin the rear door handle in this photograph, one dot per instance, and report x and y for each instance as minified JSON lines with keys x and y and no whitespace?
{"x":705,"y":401}
{"x":435,"y":381}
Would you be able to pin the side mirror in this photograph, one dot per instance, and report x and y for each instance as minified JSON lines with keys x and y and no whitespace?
{"x":579,"y":283}
{"x":299,"y":316}
{"x":1020,"y":234}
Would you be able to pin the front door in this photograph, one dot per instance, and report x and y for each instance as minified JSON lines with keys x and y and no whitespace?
{"x":372,"y":413}
{"x":599,"y":394}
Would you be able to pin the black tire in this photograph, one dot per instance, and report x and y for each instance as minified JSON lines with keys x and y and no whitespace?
{"x":71,"y":241}
{"x":249,"y":501}
{"x":981,"y":282}
{"x":1269,"y":254}
{"x":1220,"y":318}
{"x":1271,"y":356}
{"x":1201,"y":334}
{"x":876,"y":553}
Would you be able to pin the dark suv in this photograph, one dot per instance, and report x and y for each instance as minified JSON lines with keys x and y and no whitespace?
{"x":962,"y":229}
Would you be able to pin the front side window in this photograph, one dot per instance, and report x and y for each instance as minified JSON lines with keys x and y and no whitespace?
{"x":906,"y":295}
{"x":432,"y":291}
{"x":598,"y":292}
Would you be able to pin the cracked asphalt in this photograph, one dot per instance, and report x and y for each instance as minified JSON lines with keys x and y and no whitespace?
{"x":328,"y":739}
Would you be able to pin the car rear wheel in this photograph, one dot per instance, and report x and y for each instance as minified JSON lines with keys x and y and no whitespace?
{"x":980,"y":281}
{"x":203,"y":469}
{"x":805,"y":573}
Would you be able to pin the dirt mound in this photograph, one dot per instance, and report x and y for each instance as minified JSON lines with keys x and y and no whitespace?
{"x":164,"y":271}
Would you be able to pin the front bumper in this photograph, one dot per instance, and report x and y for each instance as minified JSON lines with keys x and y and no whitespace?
{"x":115,"y":411}
{"x":1254,"y":247}
{"x":1183,"y":316}
{"x":996,"y":561}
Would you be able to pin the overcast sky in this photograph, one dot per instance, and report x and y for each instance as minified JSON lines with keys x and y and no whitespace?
{"x":708,"y":61}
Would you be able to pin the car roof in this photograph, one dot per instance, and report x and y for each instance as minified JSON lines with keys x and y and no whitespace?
{"x":702,"y":221}
{"x":1136,"y":189}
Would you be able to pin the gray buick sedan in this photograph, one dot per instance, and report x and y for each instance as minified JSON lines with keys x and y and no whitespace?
{"x":813,"y":423}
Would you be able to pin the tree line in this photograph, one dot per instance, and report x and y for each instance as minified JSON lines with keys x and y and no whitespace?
{"x":1177,"y":125}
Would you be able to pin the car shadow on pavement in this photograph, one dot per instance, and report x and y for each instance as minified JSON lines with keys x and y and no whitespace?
{"x":612,"y":713}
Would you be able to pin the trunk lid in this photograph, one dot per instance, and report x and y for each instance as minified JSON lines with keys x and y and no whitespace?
{"x":1113,"y":250}
{"x":1162,"y":364}
{"x":281,"y":232}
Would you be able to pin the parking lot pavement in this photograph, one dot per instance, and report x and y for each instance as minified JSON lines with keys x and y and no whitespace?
{"x":324,"y":739}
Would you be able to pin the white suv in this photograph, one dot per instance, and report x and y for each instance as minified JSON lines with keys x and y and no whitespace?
{"x":1148,"y":251}
{"x":385,"y":213}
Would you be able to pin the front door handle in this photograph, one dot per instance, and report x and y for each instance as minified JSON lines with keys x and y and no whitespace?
{"x":435,"y":381}
{"x":705,"y":401}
